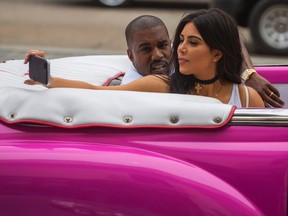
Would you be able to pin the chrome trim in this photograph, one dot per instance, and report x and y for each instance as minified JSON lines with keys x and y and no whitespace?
{"x":273,"y":117}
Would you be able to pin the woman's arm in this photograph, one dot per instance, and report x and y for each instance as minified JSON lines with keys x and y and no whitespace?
{"x":149,"y":83}
{"x":145,"y":84}
{"x":56,"y":82}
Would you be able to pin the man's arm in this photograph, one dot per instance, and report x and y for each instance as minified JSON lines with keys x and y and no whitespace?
{"x":265,"y":89}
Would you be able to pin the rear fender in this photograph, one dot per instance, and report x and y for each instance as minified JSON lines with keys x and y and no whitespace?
{"x":75,"y":179}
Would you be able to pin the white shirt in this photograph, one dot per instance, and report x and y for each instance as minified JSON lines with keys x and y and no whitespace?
{"x":130,"y":75}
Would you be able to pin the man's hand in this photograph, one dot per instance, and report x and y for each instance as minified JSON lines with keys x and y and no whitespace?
{"x":33,"y":52}
{"x":266,"y":90}
{"x":26,"y":59}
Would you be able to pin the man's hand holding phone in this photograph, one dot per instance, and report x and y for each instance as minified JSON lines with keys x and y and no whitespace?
{"x":33,"y":52}
{"x":39,"y":68}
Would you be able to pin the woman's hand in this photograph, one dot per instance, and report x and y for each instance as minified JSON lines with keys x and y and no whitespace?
{"x":33,"y":82}
{"x":33,"y":52}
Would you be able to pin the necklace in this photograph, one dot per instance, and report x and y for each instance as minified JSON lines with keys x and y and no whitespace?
{"x":199,"y":82}
{"x":217,"y":93}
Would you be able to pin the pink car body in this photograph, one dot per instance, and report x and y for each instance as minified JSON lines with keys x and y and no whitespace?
{"x":237,"y":165}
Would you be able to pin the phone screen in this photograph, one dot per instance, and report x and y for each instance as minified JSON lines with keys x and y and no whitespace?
{"x":39,"y":69}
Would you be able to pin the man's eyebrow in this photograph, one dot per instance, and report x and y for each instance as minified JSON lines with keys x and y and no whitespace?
{"x":144,"y":44}
{"x":164,"y":41}
{"x":149,"y":44}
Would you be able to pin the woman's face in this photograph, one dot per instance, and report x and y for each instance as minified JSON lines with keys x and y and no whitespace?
{"x":194,"y":55}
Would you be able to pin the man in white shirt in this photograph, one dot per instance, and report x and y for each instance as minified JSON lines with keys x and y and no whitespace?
{"x":149,"y":47}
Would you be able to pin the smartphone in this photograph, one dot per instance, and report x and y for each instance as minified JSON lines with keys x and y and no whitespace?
{"x":39,"y":69}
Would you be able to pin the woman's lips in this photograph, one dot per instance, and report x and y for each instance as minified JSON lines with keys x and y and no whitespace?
{"x":182,"y":60}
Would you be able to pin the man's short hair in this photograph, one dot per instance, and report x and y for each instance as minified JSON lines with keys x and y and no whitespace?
{"x":142,"y":23}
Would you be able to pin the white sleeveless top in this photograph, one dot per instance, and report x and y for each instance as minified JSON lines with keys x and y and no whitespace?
{"x":235,"y":96}
{"x":235,"y":99}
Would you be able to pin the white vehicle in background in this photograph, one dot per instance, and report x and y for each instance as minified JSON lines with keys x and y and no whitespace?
{"x":119,"y":3}
{"x":266,"y":19}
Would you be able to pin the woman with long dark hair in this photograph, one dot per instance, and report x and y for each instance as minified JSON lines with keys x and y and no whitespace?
{"x":207,"y":58}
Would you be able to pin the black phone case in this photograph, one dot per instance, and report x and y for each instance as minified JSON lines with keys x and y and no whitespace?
{"x":39,"y":69}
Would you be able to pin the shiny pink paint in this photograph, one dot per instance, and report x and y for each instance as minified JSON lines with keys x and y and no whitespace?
{"x":140,"y":172}
{"x":274,"y":74}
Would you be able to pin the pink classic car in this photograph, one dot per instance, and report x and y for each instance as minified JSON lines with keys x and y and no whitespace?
{"x":71,"y":152}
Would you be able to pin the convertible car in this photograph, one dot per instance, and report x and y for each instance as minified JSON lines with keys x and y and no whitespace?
{"x":73,"y":152}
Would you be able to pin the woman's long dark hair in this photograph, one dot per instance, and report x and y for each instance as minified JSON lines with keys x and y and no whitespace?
{"x":219,"y":32}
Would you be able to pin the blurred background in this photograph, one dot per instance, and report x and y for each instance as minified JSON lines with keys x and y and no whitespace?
{"x":65,"y":28}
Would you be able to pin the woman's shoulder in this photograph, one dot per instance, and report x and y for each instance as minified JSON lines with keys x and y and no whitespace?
{"x":158,"y":76}
{"x":254,"y":98}
{"x":149,"y":83}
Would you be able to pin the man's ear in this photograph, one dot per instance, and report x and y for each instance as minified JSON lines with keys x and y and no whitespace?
{"x":217,"y":54}
{"x":130,"y":55}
